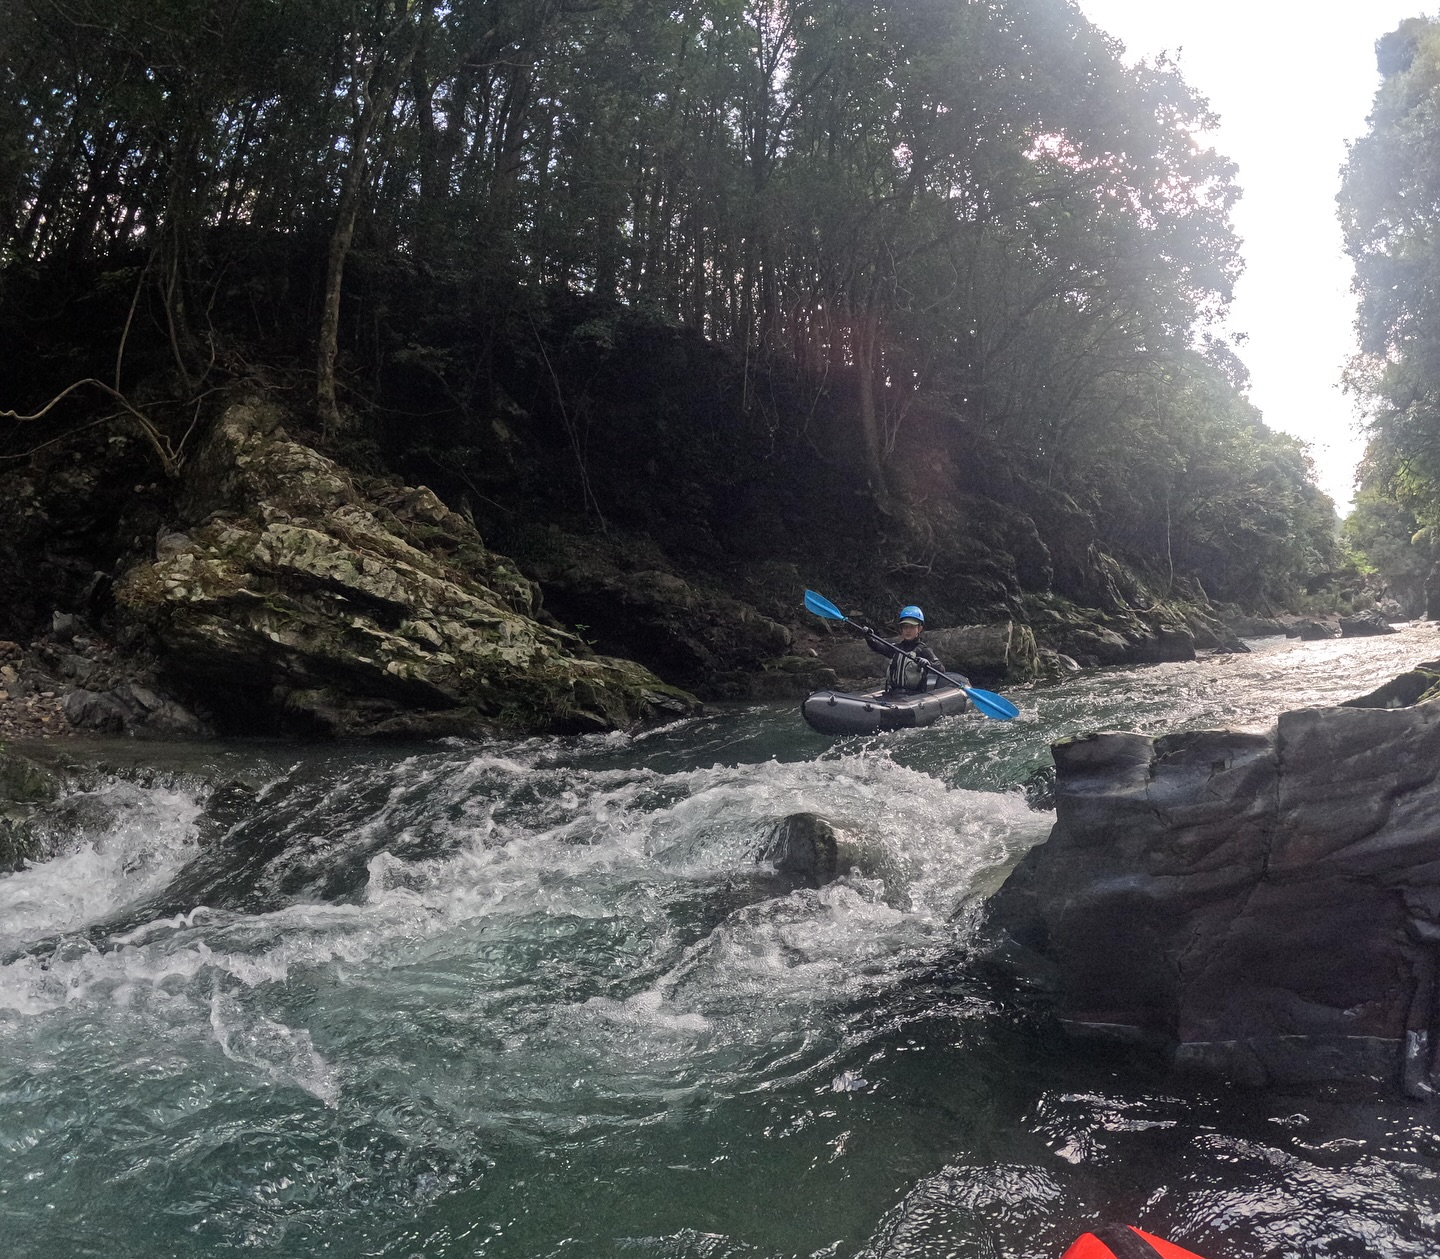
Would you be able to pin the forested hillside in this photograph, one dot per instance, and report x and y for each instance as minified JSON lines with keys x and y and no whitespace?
{"x":914,"y":295}
{"x":1388,"y":207}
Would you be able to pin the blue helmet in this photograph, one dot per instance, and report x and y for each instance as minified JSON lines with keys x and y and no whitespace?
{"x":912,"y":613}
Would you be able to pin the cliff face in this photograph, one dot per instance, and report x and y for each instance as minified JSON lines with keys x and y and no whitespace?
{"x":292,"y":594}
{"x":1263,"y":904}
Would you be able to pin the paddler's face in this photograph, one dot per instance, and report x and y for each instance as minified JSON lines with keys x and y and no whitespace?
{"x":909,"y":631}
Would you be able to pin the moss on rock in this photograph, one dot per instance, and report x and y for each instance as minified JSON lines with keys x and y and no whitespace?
{"x":299,"y":596}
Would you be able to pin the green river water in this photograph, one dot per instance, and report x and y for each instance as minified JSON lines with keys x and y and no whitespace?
{"x":537,"y":998}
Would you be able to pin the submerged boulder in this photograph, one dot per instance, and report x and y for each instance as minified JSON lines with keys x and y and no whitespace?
{"x":804,"y":845}
{"x":1266,"y":904}
{"x":295,"y":595}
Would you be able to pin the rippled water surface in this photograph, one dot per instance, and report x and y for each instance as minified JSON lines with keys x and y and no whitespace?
{"x":538,"y":998}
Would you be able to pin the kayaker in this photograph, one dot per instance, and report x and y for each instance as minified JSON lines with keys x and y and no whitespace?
{"x":904,"y":674}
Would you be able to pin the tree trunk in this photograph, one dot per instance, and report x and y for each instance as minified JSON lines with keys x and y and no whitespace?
{"x":372,"y":108}
{"x":865,"y":336}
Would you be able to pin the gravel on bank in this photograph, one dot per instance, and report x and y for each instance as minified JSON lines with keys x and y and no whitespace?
{"x":32,"y":715}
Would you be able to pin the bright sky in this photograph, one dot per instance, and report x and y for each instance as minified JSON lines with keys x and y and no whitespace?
{"x":1292,"y":82}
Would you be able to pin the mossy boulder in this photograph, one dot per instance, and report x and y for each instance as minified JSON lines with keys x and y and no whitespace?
{"x":1162,"y":632}
{"x":298,"y":596}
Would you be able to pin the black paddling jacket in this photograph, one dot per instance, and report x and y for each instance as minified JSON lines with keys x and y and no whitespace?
{"x":903,"y":674}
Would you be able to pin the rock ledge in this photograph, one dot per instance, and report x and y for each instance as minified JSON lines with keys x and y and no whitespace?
{"x":300,"y":597}
{"x":1265,"y":904}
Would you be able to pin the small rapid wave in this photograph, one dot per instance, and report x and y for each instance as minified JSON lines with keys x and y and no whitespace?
{"x":119,"y":843}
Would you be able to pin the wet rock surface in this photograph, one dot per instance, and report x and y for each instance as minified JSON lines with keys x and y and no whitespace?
{"x":269,"y":589}
{"x":804,"y":846}
{"x":1247,"y":626}
{"x":989,"y":655}
{"x":1001,"y":653}
{"x":1364,"y":625}
{"x":1266,"y":905}
{"x":1155,"y":633}
{"x":1411,"y":687}
{"x":24,"y":786}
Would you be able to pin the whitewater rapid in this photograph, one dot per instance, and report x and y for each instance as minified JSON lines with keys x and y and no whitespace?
{"x":541,"y":997}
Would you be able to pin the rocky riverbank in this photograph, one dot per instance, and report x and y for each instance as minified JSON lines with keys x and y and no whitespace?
{"x":26,"y":710}
{"x":269,"y":588}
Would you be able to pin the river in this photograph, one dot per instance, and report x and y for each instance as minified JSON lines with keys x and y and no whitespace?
{"x":536,"y":998}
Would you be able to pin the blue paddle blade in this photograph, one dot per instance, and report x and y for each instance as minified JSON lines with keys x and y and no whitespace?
{"x":992,"y":705}
{"x":822,"y":606}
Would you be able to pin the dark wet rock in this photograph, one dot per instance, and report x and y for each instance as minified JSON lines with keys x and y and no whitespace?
{"x":24,"y":781}
{"x":787,"y":677}
{"x":65,"y":625}
{"x":1364,"y":625}
{"x":1000,"y":653}
{"x":1266,"y":905}
{"x":101,"y":689}
{"x":1213,"y":633}
{"x":1312,"y":631}
{"x":300,"y":597}
{"x":1171,"y":642}
{"x":623,"y":598}
{"x":1100,"y":645}
{"x":132,"y":708}
{"x":1412,"y":687}
{"x":1093,"y":645}
{"x":851,"y":659}
{"x":990,"y":655}
{"x":24,"y":785}
{"x":1247,"y":626}
{"x":1155,"y":635}
{"x":1055,"y":665}
{"x":1235,"y":648}
{"x":805,"y":846}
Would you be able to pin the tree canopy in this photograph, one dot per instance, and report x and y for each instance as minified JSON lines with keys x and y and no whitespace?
{"x":973,"y":207}
{"x":1388,"y":208}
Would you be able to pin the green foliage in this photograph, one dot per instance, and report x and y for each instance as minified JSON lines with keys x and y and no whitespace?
{"x":974,"y":211}
{"x":1388,"y":210}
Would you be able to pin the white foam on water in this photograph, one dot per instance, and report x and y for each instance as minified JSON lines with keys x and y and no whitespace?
{"x":535,"y":854}
{"x":150,"y":835}
{"x":284,"y":1054}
